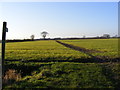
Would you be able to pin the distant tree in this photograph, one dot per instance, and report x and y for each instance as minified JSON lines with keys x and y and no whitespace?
{"x":44,"y":34}
{"x":32,"y":37}
{"x":106,"y":36}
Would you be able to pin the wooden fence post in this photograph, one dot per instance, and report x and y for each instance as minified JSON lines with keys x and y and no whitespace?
{"x":3,"y":45}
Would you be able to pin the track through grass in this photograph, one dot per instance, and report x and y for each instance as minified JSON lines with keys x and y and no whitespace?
{"x":48,"y":64}
{"x":108,"y":47}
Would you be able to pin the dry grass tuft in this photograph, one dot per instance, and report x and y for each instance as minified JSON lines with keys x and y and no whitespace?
{"x":11,"y":76}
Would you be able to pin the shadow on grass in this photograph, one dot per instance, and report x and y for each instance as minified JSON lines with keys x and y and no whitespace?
{"x":24,"y":69}
{"x":79,"y":60}
{"x":93,"y":59}
{"x":112,"y":73}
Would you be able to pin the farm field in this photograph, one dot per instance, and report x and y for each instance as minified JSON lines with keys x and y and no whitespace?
{"x":104,"y":48}
{"x":41,"y":51}
{"x":37,"y":65}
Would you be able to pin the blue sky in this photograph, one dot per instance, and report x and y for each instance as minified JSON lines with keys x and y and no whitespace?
{"x":59,"y":19}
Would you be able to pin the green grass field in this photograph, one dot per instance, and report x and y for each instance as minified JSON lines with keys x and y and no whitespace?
{"x":64,"y":74}
{"x":108,"y":47}
{"x":41,"y":50}
{"x":70,"y":75}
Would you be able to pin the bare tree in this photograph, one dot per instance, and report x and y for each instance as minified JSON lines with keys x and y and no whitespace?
{"x":32,"y":37}
{"x":44,"y":34}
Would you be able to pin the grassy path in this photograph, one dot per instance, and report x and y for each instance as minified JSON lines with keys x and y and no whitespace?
{"x":108,"y":47}
{"x":88,"y":52}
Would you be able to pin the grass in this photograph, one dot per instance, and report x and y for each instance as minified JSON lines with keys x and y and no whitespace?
{"x":63,"y":74}
{"x":108,"y":47}
{"x":69,"y":75}
{"x":41,"y":50}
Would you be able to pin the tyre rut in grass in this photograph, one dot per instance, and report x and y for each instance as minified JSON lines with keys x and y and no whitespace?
{"x":88,"y":52}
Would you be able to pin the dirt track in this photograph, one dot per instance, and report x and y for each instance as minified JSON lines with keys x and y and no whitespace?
{"x":93,"y":59}
{"x":79,"y":48}
{"x":88,"y":52}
